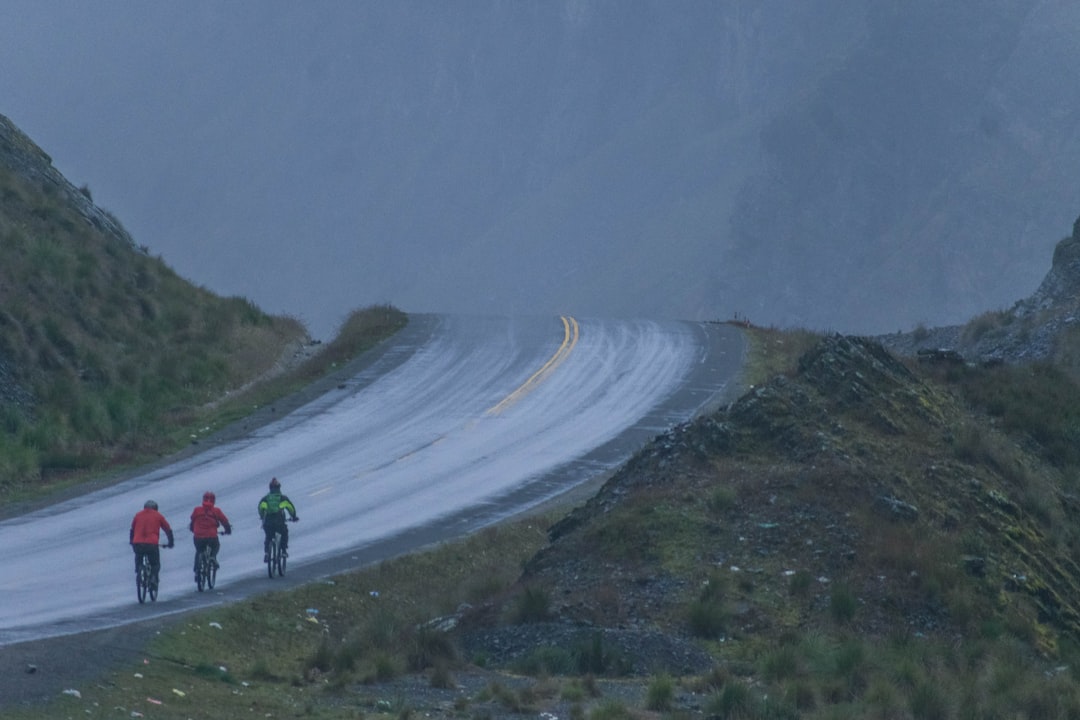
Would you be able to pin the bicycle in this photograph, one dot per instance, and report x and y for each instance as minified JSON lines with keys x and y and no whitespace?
{"x":146,"y":584}
{"x":206,"y":569}
{"x":276,"y":558}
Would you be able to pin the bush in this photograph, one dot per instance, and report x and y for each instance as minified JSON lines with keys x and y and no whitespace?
{"x":546,"y":660}
{"x":532,"y":605}
{"x":731,"y":701}
{"x":427,"y":647}
{"x":842,"y":603}
{"x":660,"y":694}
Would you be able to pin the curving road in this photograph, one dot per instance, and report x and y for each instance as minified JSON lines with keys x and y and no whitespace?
{"x":454,"y":424}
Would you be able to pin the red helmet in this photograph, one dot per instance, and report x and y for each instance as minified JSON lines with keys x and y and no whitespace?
{"x":209,"y":496}
{"x":274,"y":484}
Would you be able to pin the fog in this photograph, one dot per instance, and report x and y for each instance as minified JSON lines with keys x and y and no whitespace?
{"x":851,"y":165}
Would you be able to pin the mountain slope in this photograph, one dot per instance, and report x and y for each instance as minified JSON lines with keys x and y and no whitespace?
{"x":863,"y":533}
{"x":105,"y":353}
{"x":853,"y":165}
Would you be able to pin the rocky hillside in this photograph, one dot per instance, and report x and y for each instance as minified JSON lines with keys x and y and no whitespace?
{"x":866,"y":531}
{"x":1040,"y":328}
{"x":22,"y":157}
{"x":106,"y":355}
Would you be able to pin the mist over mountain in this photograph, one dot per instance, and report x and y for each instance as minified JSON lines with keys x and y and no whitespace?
{"x":853,"y":166}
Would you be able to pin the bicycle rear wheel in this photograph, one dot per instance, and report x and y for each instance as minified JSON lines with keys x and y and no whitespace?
{"x":142,"y":579}
{"x":211,"y":570}
{"x":282,"y":556}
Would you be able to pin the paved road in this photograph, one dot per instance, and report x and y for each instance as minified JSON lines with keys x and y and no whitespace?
{"x":454,"y":424}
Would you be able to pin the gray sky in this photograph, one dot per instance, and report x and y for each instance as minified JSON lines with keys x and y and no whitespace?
{"x":832,"y":163}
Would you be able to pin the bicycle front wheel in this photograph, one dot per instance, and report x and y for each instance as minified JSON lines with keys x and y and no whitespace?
{"x":142,"y":580}
{"x":272,"y":556}
{"x":281,"y":562}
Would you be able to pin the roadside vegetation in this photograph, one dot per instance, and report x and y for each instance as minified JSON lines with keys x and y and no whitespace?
{"x":899,"y":548}
{"x":109,"y":359}
{"x":857,"y":536}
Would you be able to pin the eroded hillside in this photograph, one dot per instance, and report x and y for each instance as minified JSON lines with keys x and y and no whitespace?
{"x":859,"y":501}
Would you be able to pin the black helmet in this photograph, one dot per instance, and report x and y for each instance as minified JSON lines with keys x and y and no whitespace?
{"x":274,"y":484}
{"x":150,"y":505}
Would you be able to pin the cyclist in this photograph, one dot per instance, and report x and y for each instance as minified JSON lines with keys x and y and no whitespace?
{"x":272,"y":509}
{"x":205,"y":520}
{"x":145,"y":535}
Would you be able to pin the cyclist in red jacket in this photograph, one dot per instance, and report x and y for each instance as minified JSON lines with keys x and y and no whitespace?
{"x":145,"y":534}
{"x":205,"y":520}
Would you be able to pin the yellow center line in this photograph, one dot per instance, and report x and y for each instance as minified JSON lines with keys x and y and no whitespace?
{"x":570,"y":338}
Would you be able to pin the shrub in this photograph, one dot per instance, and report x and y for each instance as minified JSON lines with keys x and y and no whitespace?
{"x":707,"y":619}
{"x":611,"y":710}
{"x":593,"y":658}
{"x":722,"y":499}
{"x":800,"y":583}
{"x":842,"y":603}
{"x":780,"y":664}
{"x":428,"y":646}
{"x":532,"y":605}
{"x":733,"y":700}
{"x":442,"y":678}
{"x":660,"y":694}
{"x":546,"y":660}
{"x":928,"y":702}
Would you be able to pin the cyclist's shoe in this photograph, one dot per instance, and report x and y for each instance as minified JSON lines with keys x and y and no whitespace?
{"x":266,"y":557}
{"x":217,"y":566}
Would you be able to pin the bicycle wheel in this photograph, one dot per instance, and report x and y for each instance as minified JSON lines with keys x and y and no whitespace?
{"x":272,"y":556}
{"x":142,"y":579}
{"x":211,"y":570}
{"x":282,"y":556}
{"x":200,"y":571}
{"x":152,"y":585}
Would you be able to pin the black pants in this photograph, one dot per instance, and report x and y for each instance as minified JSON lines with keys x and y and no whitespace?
{"x":200,"y":543}
{"x":152,"y":551}
{"x":271,"y":525}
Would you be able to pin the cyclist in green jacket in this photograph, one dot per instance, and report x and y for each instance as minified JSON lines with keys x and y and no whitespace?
{"x":272,"y":509}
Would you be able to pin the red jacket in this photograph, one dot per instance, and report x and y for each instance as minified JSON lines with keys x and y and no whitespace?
{"x":147,"y":525}
{"x":205,"y":520}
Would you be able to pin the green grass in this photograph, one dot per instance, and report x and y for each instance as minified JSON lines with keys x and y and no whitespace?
{"x":113,"y":358}
{"x":774,"y":351}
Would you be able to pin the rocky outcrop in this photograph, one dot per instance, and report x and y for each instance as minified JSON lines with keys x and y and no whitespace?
{"x":1060,"y":289}
{"x":1031,"y":331}
{"x":21,"y":156}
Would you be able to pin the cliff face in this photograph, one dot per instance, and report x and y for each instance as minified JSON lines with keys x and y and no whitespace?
{"x":1041,"y":327}
{"x":21,"y":156}
{"x":1060,"y":289}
